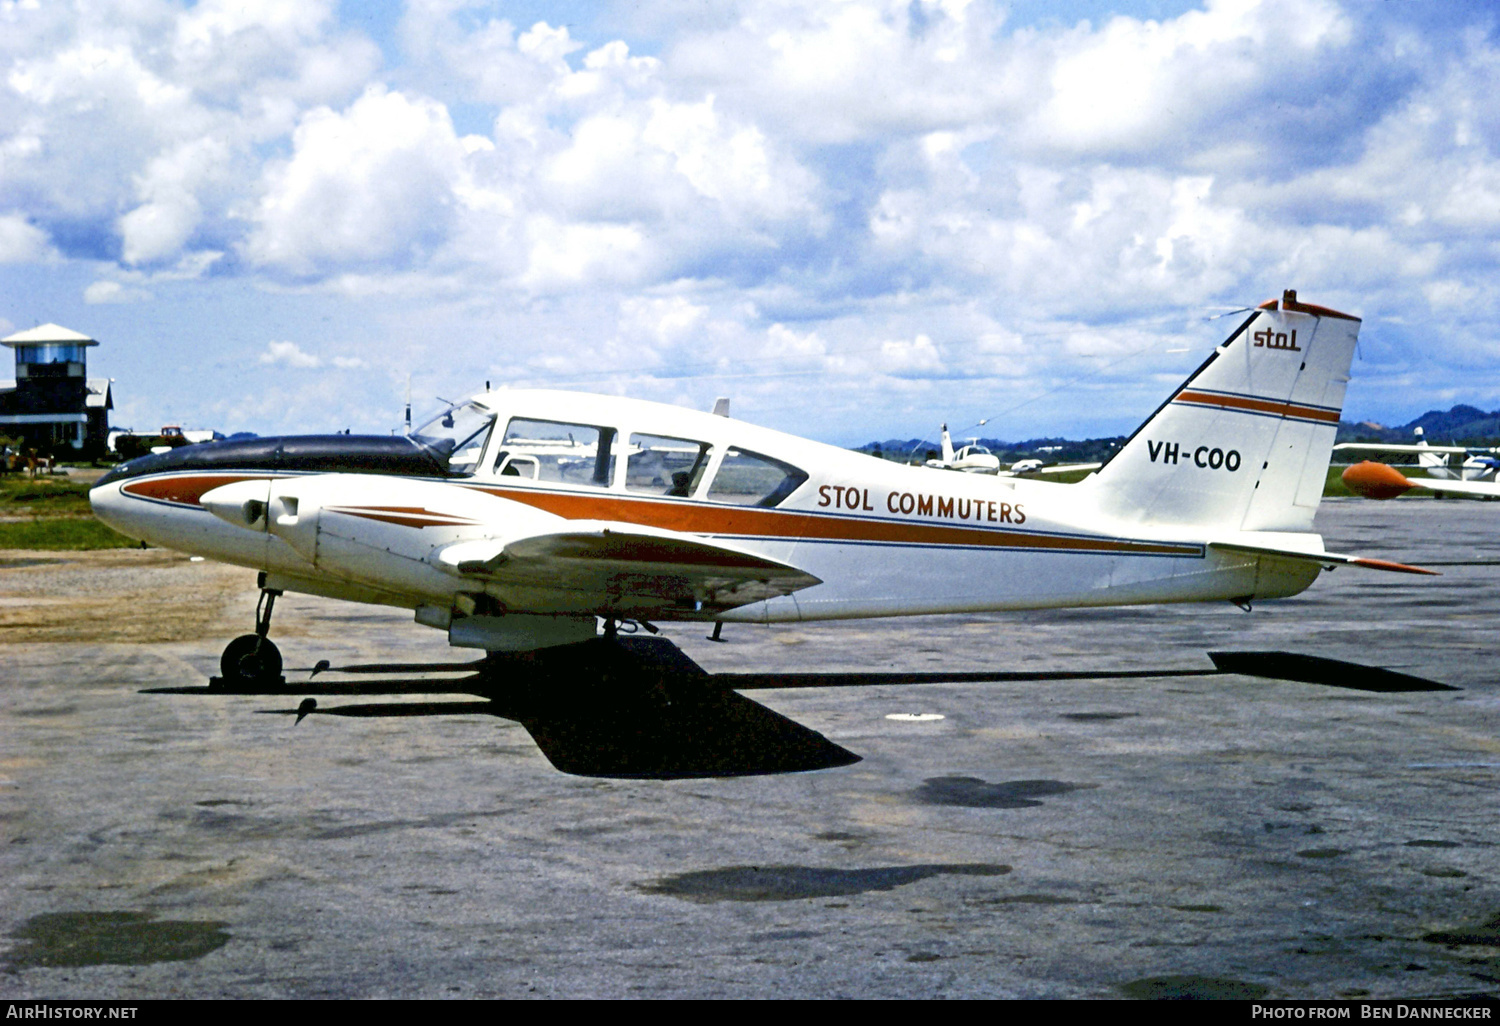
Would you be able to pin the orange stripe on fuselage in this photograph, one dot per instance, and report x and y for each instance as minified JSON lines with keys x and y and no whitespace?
{"x":743,"y":521}
{"x":404,"y":516}
{"x":1238,"y":402}
{"x":187,"y":489}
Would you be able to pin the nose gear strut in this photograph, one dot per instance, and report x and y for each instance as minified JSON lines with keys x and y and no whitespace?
{"x":253,"y":660}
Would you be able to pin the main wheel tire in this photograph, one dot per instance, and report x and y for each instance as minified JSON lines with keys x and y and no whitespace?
{"x":250,"y":659}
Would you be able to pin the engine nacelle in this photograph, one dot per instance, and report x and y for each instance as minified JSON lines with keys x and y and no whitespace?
{"x":375,"y":530}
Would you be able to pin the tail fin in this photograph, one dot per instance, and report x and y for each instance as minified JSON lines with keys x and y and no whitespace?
{"x":947,"y":446}
{"x":1244,"y":444}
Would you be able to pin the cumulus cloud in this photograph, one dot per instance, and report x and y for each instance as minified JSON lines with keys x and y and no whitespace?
{"x":22,"y":242}
{"x":914,"y":199}
{"x":289,"y":354}
{"x":373,"y":183}
{"x":114,"y":292}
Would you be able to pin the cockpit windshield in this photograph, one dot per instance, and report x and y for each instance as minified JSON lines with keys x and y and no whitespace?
{"x":457,"y":436}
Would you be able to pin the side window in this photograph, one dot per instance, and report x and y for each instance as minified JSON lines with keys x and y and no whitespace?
{"x":750,"y":479}
{"x":665,"y":466}
{"x":550,"y":451}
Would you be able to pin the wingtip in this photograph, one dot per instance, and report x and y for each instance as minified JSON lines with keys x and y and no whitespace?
{"x":1376,"y":480}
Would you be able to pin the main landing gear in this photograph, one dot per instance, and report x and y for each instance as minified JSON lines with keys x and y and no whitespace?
{"x":253,"y":660}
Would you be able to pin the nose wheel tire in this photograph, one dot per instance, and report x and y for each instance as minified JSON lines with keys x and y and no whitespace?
{"x":250,"y":659}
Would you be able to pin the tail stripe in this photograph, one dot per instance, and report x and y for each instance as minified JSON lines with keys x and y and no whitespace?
{"x":1258,"y":406}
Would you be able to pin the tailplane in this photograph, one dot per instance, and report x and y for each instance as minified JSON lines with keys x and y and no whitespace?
{"x":1244,"y":444}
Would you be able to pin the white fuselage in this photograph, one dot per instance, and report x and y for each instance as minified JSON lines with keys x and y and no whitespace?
{"x":883,"y":539}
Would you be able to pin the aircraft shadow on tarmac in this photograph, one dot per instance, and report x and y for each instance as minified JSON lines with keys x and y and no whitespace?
{"x":639,"y":707}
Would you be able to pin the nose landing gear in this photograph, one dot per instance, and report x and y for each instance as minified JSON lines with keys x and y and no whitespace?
{"x":253,"y":660}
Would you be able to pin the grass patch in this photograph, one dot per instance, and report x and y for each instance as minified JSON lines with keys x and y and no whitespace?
{"x":51,"y":513}
{"x":61,"y":533}
{"x":42,"y":496}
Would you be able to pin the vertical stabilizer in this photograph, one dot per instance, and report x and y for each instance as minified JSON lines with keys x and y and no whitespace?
{"x":1244,"y":444}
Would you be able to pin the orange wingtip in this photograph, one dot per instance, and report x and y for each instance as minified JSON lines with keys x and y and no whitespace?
{"x":1376,"y":480}
{"x":1385,"y":564}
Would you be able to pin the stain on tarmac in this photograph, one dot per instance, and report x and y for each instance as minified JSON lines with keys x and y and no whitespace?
{"x":1486,"y":933}
{"x":110,"y":938}
{"x":974,"y":793}
{"x":1026,"y":899}
{"x":791,"y":883}
{"x":1192,"y":988}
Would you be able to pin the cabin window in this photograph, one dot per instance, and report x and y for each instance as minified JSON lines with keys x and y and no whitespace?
{"x":457,"y":437}
{"x":550,"y":451}
{"x":750,"y":479}
{"x":657,"y":465}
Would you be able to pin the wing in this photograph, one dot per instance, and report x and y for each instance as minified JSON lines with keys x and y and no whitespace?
{"x":1480,"y":489}
{"x":620,"y":559}
{"x":1327,"y":560}
{"x":1056,"y":468}
{"x":1403,"y":447}
{"x":1068,"y":468}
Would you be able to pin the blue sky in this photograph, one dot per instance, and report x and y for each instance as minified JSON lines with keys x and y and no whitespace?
{"x":856,"y":218}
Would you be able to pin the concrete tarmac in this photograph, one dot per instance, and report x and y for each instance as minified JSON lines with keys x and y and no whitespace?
{"x":1174,"y":836}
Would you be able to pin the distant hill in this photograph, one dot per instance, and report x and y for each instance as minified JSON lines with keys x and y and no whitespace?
{"x":1462,"y":425}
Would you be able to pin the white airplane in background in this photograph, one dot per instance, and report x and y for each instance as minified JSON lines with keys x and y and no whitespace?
{"x":971,"y":459}
{"x":1033,"y":467}
{"x":1474,"y":478}
{"x":516,"y":521}
{"x":976,"y":459}
{"x":1434,"y":460}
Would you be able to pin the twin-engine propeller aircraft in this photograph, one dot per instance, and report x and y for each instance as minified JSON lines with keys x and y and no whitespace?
{"x":976,"y":459}
{"x":519,"y":519}
{"x":971,"y":459}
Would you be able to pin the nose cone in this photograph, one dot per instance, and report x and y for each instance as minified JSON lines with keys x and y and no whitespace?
{"x":1376,"y":480}
{"x":242,"y":503}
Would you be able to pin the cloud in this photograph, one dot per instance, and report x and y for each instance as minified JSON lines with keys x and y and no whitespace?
{"x":22,"y":242}
{"x":114,"y":292}
{"x":777,"y":198}
{"x":374,"y":183}
{"x":289,"y":354}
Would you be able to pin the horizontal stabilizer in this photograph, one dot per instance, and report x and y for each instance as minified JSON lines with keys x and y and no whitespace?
{"x":1327,"y":560}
